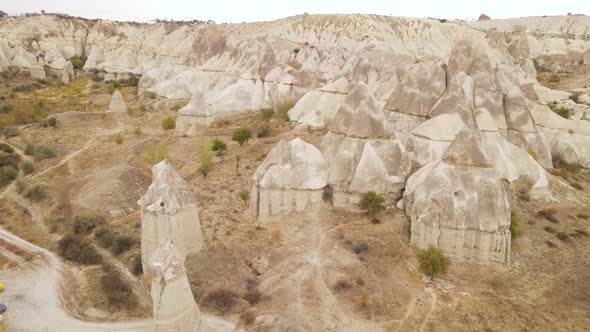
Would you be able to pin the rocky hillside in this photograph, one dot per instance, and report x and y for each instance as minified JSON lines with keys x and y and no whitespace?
{"x":458,"y":128}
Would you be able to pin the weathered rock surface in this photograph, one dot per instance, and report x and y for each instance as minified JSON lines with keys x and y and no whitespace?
{"x":363,"y":152}
{"x":117,"y":104}
{"x":459,"y":204}
{"x":291,"y":178}
{"x":169,"y":209}
{"x":174,"y":305}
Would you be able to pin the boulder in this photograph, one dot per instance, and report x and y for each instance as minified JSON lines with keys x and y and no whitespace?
{"x":459,"y":204}
{"x":363,"y":152}
{"x":169,"y":209}
{"x":174,"y":305}
{"x":291,"y":178}
{"x":117,"y":104}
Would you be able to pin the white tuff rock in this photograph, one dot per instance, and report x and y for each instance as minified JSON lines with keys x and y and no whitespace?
{"x":291,"y":178}
{"x":169,"y":209}
{"x":459,"y":204}
{"x":174,"y":305}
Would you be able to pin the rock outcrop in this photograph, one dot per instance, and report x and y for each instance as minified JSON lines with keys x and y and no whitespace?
{"x":174,"y":305}
{"x":459,"y":204}
{"x":117,"y":104}
{"x":363,"y":152}
{"x":291,"y":178}
{"x":169,"y":209}
{"x":485,"y":100}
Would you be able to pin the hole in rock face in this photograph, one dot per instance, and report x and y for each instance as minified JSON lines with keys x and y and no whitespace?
{"x":162,"y":204}
{"x":328,"y":195}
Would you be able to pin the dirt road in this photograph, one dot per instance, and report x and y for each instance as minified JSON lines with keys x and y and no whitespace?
{"x":34,"y":300}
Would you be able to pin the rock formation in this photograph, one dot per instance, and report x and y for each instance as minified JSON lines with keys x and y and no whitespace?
{"x":174,"y":305}
{"x":169,"y":209}
{"x":492,"y":104}
{"x":117,"y":104}
{"x":362,"y":151}
{"x":291,"y":178}
{"x":460,"y":205}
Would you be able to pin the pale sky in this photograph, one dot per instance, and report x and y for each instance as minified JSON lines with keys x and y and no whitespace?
{"x":261,"y":10}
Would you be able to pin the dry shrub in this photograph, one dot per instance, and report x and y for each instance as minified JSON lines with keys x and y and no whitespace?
{"x":549,"y":229}
{"x":549,"y":214}
{"x":253,"y":296}
{"x":221,"y":300}
{"x":550,"y":244}
{"x":248,"y":317}
{"x":562,"y":236}
{"x":583,"y":216}
{"x":522,"y":187}
{"x":342,"y":285}
{"x":116,"y":290}
{"x":276,"y":235}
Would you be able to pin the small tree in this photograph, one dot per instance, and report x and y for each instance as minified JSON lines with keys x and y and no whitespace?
{"x":205,"y":157}
{"x":244,"y":195}
{"x":241,"y":135}
{"x":433,"y":262}
{"x":78,"y":61}
{"x":372,"y":202}
{"x":218,"y":146}
{"x":168,"y":122}
{"x":52,"y":122}
{"x":515,"y":231}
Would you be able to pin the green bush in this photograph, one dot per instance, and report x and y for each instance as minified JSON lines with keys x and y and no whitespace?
{"x":267,"y":113}
{"x":52,"y":122}
{"x":218,"y":146}
{"x":85,"y":224}
{"x":176,"y":107}
{"x":104,"y":235}
{"x":156,"y":152}
{"x":6,"y":109}
{"x":433,"y":262}
{"x":6,"y":148}
{"x":241,"y":135}
{"x":29,"y":149}
{"x":515,"y":231}
{"x":7,"y":174}
{"x":205,"y":158}
{"x":118,"y":139}
{"x":554,"y":79}
{"x":284,"y":109}
{"x":27,"y":167}
{"x":10,"y":131}
{"x":42,"y":152}
{"x":372,"y":202}
{"x":75,"y":248}
{"x":244,"y":195}
{"x":121,"y":244}
{"x":78,"y":61}
{"x":168,"y":123}
{"x":116,"y":84}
